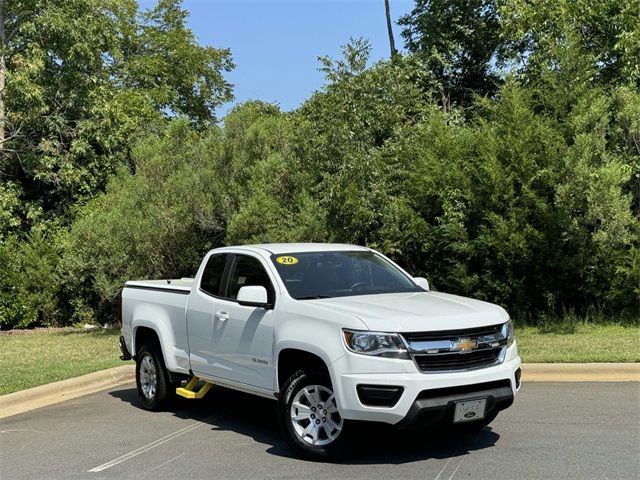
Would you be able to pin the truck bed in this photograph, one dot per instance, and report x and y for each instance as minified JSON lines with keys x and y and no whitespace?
{"x":161,"y":304}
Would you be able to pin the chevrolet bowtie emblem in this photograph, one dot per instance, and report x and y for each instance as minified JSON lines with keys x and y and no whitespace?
{"x":464,"y":345}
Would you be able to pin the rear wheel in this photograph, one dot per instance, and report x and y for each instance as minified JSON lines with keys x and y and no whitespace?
{"x":152,"y":379}
{"x":309,"y":418}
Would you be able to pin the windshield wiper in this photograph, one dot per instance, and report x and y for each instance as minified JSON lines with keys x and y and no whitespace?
{"x":312,"y":297}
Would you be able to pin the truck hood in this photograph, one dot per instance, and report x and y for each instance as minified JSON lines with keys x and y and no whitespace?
{"x":416,"y":312}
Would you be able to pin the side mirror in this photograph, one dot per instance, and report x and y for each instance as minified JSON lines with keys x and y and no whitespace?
{"x":253,"y":296}
{"x":422,"y":282}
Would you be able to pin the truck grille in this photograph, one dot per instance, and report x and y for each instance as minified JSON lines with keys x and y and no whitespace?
{"x":453,"y":350}
{"x":456,"y":361}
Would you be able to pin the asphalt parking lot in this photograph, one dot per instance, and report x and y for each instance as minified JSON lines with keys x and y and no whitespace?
{"x":554,"y":430}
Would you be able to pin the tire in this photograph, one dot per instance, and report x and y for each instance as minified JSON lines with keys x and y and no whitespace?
{"x":323,"y":437}
{"x":155,"y":390}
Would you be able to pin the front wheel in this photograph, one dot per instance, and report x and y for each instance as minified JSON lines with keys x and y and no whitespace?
{"x":309,"y":418}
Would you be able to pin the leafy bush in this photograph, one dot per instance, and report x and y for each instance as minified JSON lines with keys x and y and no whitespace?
{"x":156,"y":223}
{"x":29,"y":284}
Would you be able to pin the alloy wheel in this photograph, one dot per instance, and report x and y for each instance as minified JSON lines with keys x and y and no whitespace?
{"x":148,"y":377}
{"x":314,"y":415}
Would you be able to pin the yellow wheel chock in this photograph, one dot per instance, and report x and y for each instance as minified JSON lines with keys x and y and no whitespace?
{"x":188,"y":390}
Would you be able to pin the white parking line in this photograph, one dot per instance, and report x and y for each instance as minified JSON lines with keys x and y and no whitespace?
{"x":458,"y":462}
{"x":456,"y":470}
{"x":152,"y":445}
{"x":443,"y":468}
{"x":166,"y":463}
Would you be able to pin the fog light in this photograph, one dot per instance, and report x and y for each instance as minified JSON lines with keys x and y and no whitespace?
{"x":379,"y":395}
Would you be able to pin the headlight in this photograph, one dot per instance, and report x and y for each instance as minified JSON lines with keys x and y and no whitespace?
{"x":377,"y":344}
{"x":511,"y":333}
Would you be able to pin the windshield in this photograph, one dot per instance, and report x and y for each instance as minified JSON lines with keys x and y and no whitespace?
{"x":311,"y":275}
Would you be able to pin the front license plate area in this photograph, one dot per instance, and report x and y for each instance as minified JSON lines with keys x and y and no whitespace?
{"x":470,"y":410}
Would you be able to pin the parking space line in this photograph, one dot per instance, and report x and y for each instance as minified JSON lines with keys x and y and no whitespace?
{"x":152,"y":445}
{"x":457,"y":463}
{"x":166,"y":463}
{"x":443,"y":468}
{"x":456,"y":470}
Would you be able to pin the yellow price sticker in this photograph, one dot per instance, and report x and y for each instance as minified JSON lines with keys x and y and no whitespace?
{"x":287,"y":260}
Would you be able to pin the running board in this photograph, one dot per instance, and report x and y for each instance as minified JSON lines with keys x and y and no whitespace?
{"x":188,"y":390}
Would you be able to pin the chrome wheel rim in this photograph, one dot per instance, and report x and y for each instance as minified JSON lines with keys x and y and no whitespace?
{"x":148,"y":377}
{"x":314,"y":415}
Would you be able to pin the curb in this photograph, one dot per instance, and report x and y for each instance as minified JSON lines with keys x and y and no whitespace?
{"x":581,"y":372}
{"x":49,"y":394}
{"x":52,"y":393}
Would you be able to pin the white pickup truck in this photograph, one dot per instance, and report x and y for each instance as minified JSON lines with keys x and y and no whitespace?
{"x":334,"y":333}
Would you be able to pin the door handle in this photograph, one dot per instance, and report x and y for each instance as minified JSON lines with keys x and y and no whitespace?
{"x":222,"y":316}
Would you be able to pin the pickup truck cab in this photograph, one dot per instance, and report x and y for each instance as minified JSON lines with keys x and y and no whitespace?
{"x":334,"y":333}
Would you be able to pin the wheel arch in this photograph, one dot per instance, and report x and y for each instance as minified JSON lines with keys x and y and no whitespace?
{"x":143,"y":334}
{"x":292,"y":359}
{"x":151,"y":322}
{"x":147,"y":332}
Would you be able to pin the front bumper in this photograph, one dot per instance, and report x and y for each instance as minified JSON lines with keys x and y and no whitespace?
{"x":438,"y":405}
{"x":416,"y":406}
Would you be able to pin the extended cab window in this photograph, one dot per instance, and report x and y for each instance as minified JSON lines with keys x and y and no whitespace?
{"x":212,"y":275}
{"x":248,"y":271}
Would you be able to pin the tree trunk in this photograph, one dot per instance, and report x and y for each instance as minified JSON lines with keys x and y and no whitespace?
{"x":392,"y":43}
{"x":445,"y":101}
{"x":2,"y":75}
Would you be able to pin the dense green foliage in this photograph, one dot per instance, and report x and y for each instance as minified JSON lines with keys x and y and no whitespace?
{"x":521,"y":187}
{"x":84,"y":77}
{"x":457,"y":40}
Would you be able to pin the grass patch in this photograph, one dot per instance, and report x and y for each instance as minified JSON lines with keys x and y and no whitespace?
{"x":579,"y":342}
{"x":34,"y":357}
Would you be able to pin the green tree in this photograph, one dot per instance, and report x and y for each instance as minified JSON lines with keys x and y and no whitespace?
{"x":349,"y":125}
{"x":163,"y":61}
{"x":83,"y":78}
{"x":270,"y":184}
{"x":457,"y":40}
{"x":155,"y":223}
{"x":606,"y":32}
